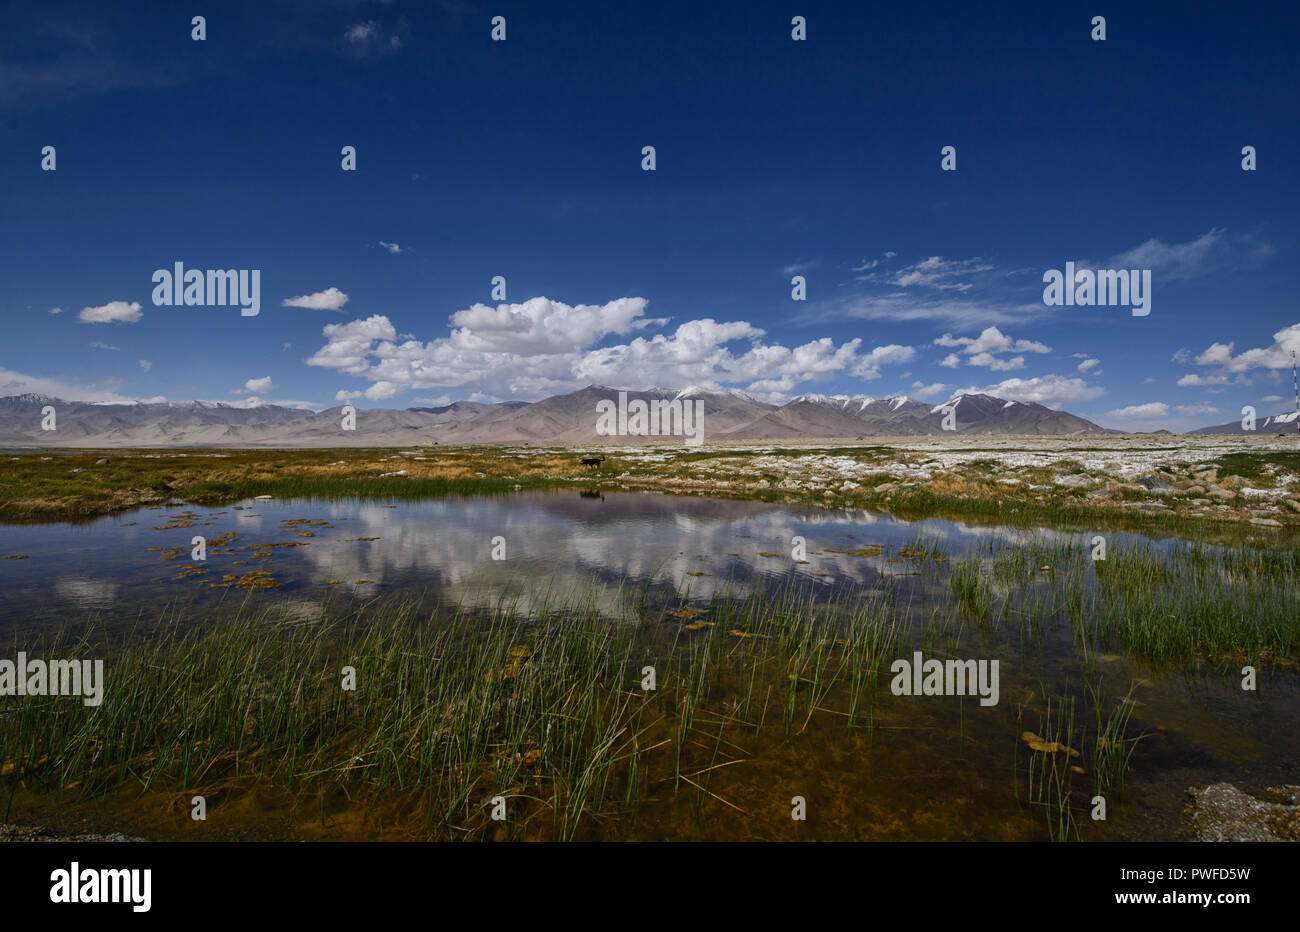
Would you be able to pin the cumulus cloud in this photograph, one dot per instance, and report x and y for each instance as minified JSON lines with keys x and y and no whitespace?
{"x":542,"y":347}
{"x":56,"y":310}
{"x":1088,"y":365}
{"x":1275,"y":356}
{"x":1191,"y":410}
{"x":868,"y":365}
{"x":331,"y":299}
{"x":991,"y":340}
{"x":112,"y":312}
{"x":1152,"y":409}
{"x":394,"y":248}
{"x":258,"y":386}
{"x":540,"y":325}
{"x":984,"y":350}
{"x":1050,"y":390}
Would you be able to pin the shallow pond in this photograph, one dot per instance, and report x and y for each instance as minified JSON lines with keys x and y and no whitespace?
{"x":924,"y":767}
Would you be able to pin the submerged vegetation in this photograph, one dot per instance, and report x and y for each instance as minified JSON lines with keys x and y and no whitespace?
{"x":692,"y":718}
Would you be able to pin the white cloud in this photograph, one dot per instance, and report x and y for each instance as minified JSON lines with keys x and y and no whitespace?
{"x":1191,"y":410}
{"x":361,"y":32}
{"x":394,"y":248}
{"x":1088,"y":364}
{"x":1275,"y":356}
{"x":983,"y":350}
{"x":991,"y":340}
{"x":258,"y":386}
{"x":1153,"y":409}
{"x":350,"y":344}
{"x":1272,"y":398}
{"x":1207,"y":253}
{"x":145,"y":364}
{"x":996,"y":364}
{"x":56,"y":310}
{"x":1189,"y":381}
{"x":113,"y":311}
{"x":331,"y":299}
{"x":868,"y":365}
{"x":17,"y":383}
{"x":904,"y":306}
{"x":540,"y":325}
{"x":938,"y":272}
{"x":1047,"y":390}
{"x":377,"y":392}
{"x":95,"y":344}
{"x":543,"y":347}
{"x":369,"y":38}
{"x":926,"y":392}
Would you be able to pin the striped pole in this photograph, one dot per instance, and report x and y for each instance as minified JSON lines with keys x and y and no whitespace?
{"x":1296,"y":386}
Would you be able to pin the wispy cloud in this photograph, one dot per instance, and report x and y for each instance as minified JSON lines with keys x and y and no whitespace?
{"x":1212,"y":251}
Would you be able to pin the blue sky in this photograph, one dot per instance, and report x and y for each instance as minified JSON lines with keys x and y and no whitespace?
{"x":523,"y":159}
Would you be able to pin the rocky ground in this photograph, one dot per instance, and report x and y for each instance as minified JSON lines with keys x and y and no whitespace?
{"x":1218,"y":477}
{"x":1221,"y":812}
{"x":1248,"y":481}
{"x":40,"y":833}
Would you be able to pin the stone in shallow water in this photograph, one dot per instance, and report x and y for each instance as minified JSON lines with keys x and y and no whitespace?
{"x":1221,"y":812}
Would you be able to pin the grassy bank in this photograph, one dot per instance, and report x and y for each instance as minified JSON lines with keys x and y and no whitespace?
{"x":80,"y":486}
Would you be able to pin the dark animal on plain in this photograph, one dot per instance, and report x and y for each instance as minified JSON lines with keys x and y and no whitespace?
{"x":592,"y":460}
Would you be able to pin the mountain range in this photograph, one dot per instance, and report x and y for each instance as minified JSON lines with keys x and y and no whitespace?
{"x":1273,"y":424}
{"x":569,"y":418}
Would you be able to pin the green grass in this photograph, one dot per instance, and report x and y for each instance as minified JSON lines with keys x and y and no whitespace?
{"x":455,"y":706}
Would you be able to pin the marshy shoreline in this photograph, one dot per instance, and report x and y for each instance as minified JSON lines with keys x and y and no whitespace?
{"x":1195,"y":486}
{"x":1121,"y":676}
